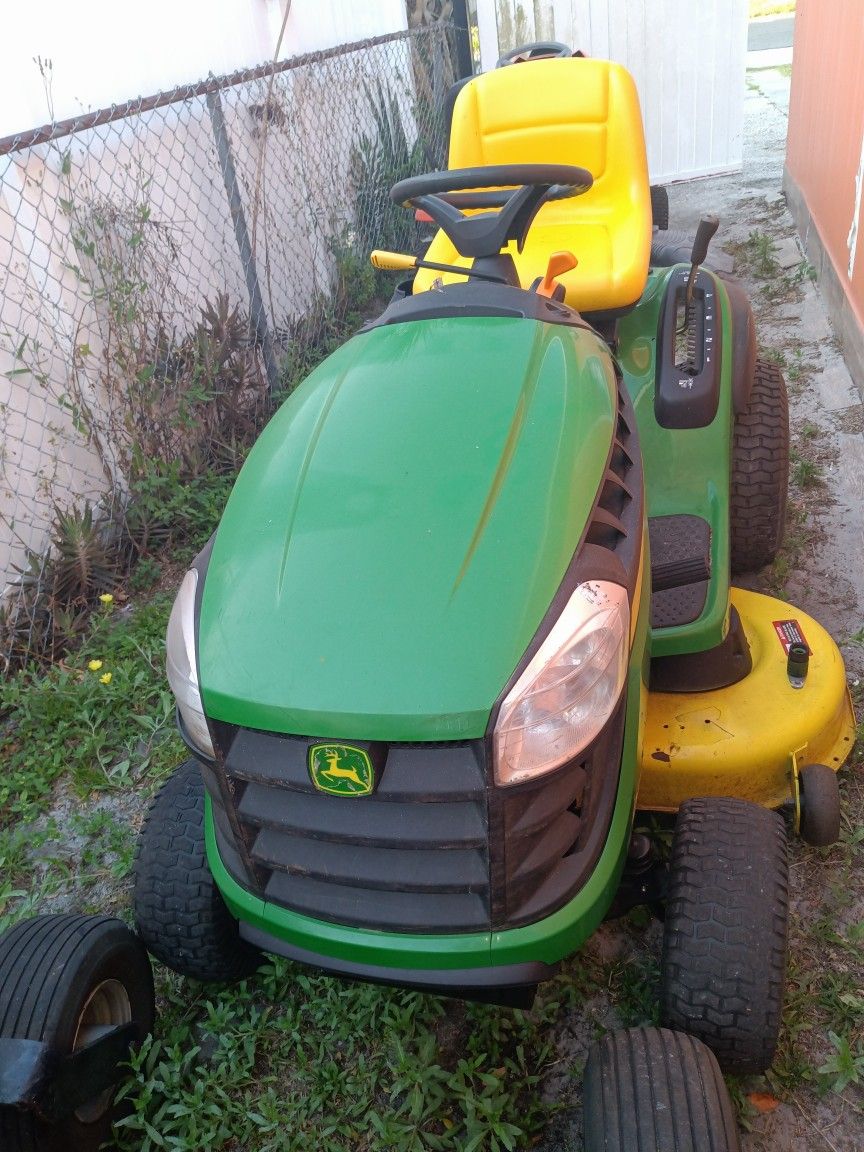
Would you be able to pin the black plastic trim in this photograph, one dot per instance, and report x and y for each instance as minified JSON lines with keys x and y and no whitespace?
{"x":683,"y":399}
{"x":476,"y":299}
{"x":462,"y":982}
{"x":744,"y":345}
{"x":718,"y":667}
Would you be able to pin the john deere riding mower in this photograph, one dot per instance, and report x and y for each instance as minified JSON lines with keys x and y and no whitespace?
{"x":469,"y":607}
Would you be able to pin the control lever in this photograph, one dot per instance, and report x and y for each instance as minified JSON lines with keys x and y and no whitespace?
{"x":708,"y":225}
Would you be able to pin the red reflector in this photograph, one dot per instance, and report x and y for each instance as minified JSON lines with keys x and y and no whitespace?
{"x":421,"y":216}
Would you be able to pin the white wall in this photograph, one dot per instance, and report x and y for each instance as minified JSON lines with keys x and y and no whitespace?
{"x":107,"y":51}
{"x":688,"y":60}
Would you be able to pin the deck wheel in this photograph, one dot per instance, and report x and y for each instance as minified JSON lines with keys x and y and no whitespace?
{"x":820,"y":805}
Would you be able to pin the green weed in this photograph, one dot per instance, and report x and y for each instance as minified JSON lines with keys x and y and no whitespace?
{"x":844,"y":1066}
{"x":292,"y":1061}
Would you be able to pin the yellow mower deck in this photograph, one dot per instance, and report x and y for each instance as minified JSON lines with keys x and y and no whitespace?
{"x":750,"y":739}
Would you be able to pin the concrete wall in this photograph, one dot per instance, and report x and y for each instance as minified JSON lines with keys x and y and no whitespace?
{"x":103,"y":52}
{"x":824,"y":176}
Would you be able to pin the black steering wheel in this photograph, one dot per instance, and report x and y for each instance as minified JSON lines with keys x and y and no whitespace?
{"x":526,"y":187}
{"x":540,"y":50}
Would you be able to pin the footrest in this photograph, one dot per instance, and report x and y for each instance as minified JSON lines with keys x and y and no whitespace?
{"x":680,"y":568}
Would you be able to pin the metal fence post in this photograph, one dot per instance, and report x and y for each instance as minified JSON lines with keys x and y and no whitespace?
{"x":257,"y":314}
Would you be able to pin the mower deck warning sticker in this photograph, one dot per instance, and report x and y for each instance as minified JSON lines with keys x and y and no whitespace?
{"x":789,"y":633}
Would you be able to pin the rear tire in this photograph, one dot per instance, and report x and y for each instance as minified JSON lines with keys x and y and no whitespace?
{"x":724,"y":940}
{"x":655,"y":1089}
{"x":179,"y":912}
{"x":61,"y":978}
{"x":820,"y":805}
{"x":759,"y":472}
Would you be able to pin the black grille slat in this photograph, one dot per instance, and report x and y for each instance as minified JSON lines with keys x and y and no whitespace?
{"x":546,"y":848}
{"x":394,"y":911}
{"x":360,"y":820}
{"x":384,"y":869}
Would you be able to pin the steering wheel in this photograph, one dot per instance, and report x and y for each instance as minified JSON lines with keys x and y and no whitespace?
{"x":539,"y":50}
{"x":443,"y":195}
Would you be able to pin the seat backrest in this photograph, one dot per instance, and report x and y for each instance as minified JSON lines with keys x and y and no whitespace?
{"x":569,"y":111}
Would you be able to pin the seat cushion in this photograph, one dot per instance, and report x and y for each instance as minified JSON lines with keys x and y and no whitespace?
{"x":564,"y":111}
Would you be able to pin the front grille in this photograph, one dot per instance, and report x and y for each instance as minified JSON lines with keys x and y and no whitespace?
{"x":412,"y":856}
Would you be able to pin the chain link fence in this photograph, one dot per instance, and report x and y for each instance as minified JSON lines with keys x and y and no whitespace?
{"x":169,"y":269}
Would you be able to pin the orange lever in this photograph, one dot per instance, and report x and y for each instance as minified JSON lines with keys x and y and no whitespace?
{"x":559,"y":263}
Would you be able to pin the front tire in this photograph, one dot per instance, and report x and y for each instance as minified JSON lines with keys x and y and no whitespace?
{"x":724,"y":940}
{"x":179,"y":912}
{"x":655,"y":1089}
{"x":62,"y":979}
{"x":759,"y":477}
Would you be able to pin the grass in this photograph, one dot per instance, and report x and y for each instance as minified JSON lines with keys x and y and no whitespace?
{"x":70,"y":722}
{"x":759,"y":8}
{"x":294,"y":1061}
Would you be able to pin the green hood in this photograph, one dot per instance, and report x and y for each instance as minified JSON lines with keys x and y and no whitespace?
{"x":401,"y":527}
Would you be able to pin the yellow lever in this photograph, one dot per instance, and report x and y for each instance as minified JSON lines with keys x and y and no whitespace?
{"x":392,"y":261}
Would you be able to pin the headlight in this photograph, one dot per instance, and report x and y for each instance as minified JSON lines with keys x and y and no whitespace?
{"x":569,"y":690}
{"x":181,"y":665}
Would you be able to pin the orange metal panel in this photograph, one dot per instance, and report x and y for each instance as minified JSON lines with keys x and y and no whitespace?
{"x":825,"y":144}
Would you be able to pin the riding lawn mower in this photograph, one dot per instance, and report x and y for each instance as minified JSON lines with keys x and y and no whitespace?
{"x":470,"y":608}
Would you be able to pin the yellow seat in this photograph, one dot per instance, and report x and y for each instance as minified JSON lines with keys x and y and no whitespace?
{"x":564,"y":111}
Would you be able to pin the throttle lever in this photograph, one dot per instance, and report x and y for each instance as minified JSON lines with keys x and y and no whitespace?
{"x":708,"y":225}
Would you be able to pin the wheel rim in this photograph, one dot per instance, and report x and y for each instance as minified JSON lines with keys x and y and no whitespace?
{"x":107,"y":1007}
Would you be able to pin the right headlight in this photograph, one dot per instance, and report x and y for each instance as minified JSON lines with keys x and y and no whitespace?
{"x":563,"y":699}
{"x":182,"y":666}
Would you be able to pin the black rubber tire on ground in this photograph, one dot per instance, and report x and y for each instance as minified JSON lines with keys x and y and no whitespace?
{"x":58,"y":974}
{"x":654,"y":1089}
{"x":724,"y":938}
{"x":759,"y":476}
{"x":179,"y":912}
{"x":820,"y":805}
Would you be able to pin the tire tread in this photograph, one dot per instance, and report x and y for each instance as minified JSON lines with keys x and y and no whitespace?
{"x":759,"y":476}
{"x":179,"y":911}
{"x":724,"y":944}
{"x":651,"y":1088}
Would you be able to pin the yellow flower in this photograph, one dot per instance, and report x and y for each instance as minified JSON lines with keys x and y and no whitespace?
{"x":105,"y":678}
{"x":95,"y":665}
{"x":106,"y":598}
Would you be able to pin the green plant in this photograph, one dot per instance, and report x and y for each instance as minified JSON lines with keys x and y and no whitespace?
{"x":171,"y":509}
{"x":378,"y":160}
{"x":759,"y":253}
{"x":805,"y":473}
{"x":844,"y":1066}
{"x":293,"y":1060}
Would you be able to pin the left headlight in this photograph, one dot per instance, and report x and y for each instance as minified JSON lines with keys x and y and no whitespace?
{"x":182,"y":667}
{"x":569,"y":690}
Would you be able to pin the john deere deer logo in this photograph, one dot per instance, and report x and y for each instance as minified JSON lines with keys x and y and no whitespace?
{"x":341,"y":769}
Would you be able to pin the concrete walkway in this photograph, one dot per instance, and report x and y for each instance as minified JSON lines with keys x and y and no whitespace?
{"x":769,"y":41}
